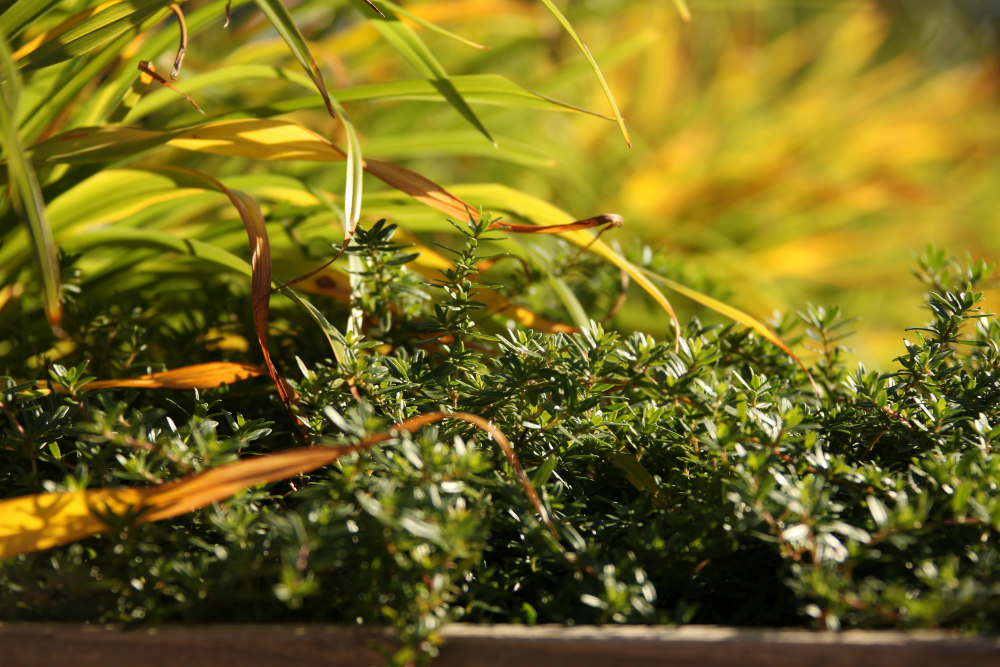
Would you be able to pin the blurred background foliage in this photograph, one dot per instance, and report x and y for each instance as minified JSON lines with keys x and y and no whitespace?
{"x":783,"y":152}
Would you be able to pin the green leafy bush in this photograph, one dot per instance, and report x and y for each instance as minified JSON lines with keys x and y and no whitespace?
{"x":702,"y":482}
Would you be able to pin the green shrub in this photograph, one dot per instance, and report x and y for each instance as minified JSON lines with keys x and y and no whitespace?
{"x":698,"y":483}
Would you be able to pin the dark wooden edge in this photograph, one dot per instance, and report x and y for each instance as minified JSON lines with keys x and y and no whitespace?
{"x":56,"y":645}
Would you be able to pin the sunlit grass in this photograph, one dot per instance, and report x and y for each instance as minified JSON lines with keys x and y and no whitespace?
{"x":788,"y":154}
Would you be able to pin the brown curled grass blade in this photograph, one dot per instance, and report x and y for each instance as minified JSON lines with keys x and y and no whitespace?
{"x":605,"y":219}
{"x":182,"y":48}
{"x":40,"y":521}
{"x":422,"y":189}
{"x":260,"y":265}
{"x":197,"y":376}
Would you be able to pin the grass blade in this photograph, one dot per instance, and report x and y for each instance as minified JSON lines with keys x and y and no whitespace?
{"x":151,"y":238}
{"x":283,"y":23}
{"x":736,"y":315}
{"x":198,"y":376}
{"x":410,"y":144}
{"x":593,"y":64}
{"x":20,"y":14}
{"x":410,"y":46}
{"x":333,"y":336}
{"x":491,"y":89}
{"x":433,"y":27}
{"x":260,"y":264}
{"x":91,"y":33}
{"x":259,"y":139}
{"x":639,"y":477}
{"x":603,"y":220}
{"x":683,"y":10}
{"x":26,"y":193}
{"x":422,"y":189}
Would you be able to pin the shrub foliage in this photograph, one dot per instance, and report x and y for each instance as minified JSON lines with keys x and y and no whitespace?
{"x":696,"y":481}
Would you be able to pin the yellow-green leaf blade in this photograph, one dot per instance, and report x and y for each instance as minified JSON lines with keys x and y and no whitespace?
{"x":433,"y":27}
{"x":283,"y":23}
{"x":736,"y":315}
{"x":197,"y":376}
{"x":26,"y":192}
{"x":568,"y":27}
{"x":411,"y":47}
{"x":489,"y":89}
{"x":91,"y":33}
{"x":151,"y":238}
{"x":20,"y":14}
{"x":252,"y":138}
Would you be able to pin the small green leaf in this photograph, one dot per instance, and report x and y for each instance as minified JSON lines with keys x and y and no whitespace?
{"x":878,"y":511}
{"x":638,"y":476}
{"x":544,"y":471}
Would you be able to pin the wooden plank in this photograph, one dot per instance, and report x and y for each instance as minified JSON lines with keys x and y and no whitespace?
{"x":70,"y":645}
{"x":701,"y":646}
{"x":56,"y":645}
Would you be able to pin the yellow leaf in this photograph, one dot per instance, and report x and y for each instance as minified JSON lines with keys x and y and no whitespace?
{"x":258,"y":138}
{"x":40,"y":521}
{"x":33,"y":523}
{"x":36,"y":522}
{"x":422,"y":189}
{"x":197,"y":376}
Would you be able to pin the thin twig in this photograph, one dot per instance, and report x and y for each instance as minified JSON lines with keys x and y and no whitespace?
{"x":148,"y":69}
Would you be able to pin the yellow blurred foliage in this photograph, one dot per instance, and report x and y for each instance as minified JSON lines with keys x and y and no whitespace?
{"x":802,"y":164}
